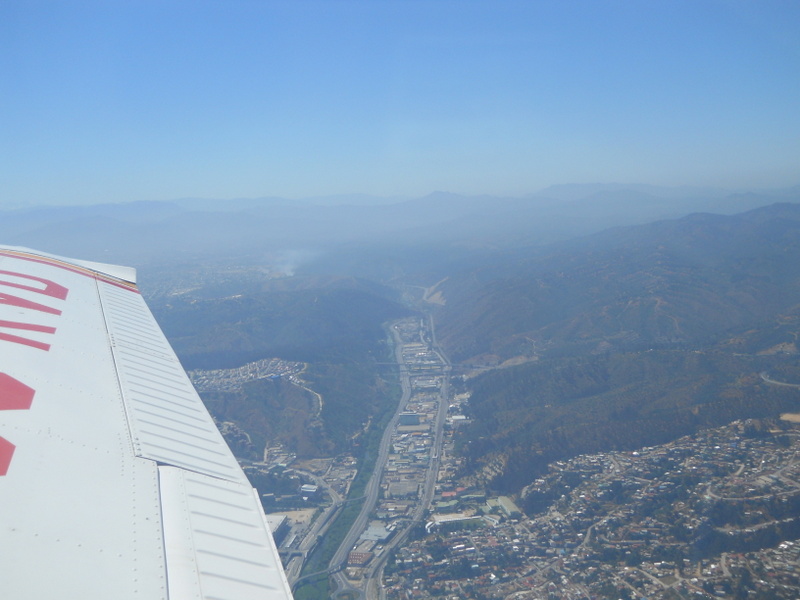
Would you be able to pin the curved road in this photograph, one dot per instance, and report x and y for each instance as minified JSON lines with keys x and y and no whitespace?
{"x":766,"y":379}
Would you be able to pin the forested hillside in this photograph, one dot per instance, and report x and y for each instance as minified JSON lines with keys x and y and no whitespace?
{"x":631,"y":337}
{"x":302,"y":319}
{"x":333,"y":324}
{"x":528,"y":416}
{"x":686,"y":281}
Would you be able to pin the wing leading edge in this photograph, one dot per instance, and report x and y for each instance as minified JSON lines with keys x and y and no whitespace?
{"x":114,"y":480}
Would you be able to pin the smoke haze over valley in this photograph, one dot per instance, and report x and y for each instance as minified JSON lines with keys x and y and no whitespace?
{"x":573,"y":273}
{"x":494,"y":300}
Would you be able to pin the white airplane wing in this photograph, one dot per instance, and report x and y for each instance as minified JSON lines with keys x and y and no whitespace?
{"x":114,"y":481}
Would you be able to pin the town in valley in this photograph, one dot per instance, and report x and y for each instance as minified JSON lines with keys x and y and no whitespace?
{"x":710,"y":515}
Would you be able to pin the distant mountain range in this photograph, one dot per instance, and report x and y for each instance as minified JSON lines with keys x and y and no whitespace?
{"x":146,"y":232}
{"x":684,"y":281}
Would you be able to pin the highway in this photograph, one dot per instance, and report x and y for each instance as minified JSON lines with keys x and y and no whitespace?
{"x":373,"y":487}
{"x":369,"y":588}
{"x":318,"y":529}
{"x":374,"y":575}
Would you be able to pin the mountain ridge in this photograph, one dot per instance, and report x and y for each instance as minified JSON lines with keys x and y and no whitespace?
{"x":144,"y":232}
{"x":629,"y":337}
{"x":645,"y":283}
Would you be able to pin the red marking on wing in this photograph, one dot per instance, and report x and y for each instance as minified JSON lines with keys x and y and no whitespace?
{"x":25,"y":341}
{"x":14,"y":395}
{"x":6,"y":452}
{"x":15,"y":339}
{"x":51,"y":288}
{"x":27,"y":326}
{"x":12,"y":300}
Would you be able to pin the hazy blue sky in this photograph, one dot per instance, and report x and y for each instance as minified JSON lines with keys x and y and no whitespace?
{"x":113,"y":101}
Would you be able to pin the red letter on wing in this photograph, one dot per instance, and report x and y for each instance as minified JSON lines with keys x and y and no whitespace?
{"x":14,"y":395}
{"x":18,"y":339}
{"x":6,"y":452}
{"x":50,"y":288}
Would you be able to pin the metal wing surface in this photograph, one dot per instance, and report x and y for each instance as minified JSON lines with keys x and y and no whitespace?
{"x":114,"y":480}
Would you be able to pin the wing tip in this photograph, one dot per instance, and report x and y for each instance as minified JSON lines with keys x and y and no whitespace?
{"x":126,"y":274}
